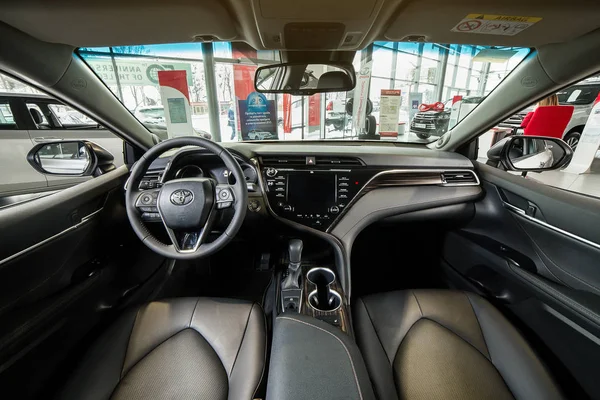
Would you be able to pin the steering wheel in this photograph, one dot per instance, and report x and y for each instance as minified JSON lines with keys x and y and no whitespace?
{"x":187,"y":207}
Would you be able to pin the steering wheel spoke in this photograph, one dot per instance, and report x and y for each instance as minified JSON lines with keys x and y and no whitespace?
{"x":190,"y":241}
{"x":224,"y":196}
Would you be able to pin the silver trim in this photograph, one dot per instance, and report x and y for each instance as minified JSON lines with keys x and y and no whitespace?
{"x":320,"y":269}
{"x":51,"y":238}
{"x":314,"y":293}
{"x":523,"y":214}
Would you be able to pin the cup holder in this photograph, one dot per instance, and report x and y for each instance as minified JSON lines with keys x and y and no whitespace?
{"x":320,"y":276}
{"x":323,"y":298}
{"x":333,"y":303}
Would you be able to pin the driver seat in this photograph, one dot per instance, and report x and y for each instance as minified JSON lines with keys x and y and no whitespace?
{"x":201,"y":348}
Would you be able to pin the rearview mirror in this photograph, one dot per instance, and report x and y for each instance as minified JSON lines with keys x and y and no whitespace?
{"x":530,"y":153}
{"x":73,"y":158}
{"x":304,"y":79}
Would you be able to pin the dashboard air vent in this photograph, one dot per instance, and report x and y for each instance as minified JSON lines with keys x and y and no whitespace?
{"x":306,"y":160}
{"x":284,"y":160}
{"x":338,"y":161}
{"x":459,"y":178}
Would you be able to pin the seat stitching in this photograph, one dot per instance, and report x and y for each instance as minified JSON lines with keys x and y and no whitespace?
{"x":157,"y":346}
{"x":343,"y":345}
{"x":241,"y":341}
{"x":137,"y":313}
{"x":193,"y":312}
{"x":418,"y":304}
{"x":375,"y":329}
{"x":480,"y":329}
{"x":262,"y":374}
{"x":483,"y":355}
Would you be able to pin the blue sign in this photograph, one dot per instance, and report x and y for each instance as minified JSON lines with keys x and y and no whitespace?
{"x":258,"y":118}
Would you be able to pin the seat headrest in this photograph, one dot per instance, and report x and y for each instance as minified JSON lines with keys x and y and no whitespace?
{"x":334,"y":80}
{"x":36,"y":115}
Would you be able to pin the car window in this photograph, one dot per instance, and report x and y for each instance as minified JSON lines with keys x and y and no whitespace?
{"x":36,"y":112}
{"x":71,"y":118}
{"x":412,"y":74}
{"x":581,"y":132}
{"x":7,"y":120}
{"x":578,"y":95}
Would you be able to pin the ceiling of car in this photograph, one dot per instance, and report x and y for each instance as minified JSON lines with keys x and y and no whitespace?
{"x":294,"y":24}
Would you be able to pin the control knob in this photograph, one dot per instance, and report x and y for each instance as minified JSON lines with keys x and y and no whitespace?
{"x":334,"y":210}
{"x":271,"y":172}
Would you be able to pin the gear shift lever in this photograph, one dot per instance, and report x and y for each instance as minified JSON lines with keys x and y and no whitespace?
{"x":291,"y":290}
{"x":295,"y":255}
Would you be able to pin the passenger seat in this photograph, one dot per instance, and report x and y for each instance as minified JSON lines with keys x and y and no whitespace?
{"x":442,"y":344}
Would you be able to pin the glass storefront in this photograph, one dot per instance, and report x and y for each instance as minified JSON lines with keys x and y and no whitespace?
{"x":424,"y":73}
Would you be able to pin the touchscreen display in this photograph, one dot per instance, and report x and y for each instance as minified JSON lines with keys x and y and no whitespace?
{"x":311,"y":192}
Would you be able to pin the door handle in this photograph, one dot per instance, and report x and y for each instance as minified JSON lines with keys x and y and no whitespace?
{"x":42,"y":139}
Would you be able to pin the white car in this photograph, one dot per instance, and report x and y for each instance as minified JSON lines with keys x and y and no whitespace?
{"x":29,"y":119}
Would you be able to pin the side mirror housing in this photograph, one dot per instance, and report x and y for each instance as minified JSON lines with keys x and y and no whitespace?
{"x":531,"y":153}
{"x":70,"y":158}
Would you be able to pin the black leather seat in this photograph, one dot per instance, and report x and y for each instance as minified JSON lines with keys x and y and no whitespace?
{"x":438,"y":344}
{"x":187,"y":348}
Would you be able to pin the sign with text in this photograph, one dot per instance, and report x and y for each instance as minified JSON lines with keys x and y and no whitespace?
{"x":389,"y":111}
{"x":258,"y":117}
{"x":414,"y":99}
{"x":361,"y":96}
{"x":135,"y":72}
{"x":586,"y":149}
{"x":175,"y":96}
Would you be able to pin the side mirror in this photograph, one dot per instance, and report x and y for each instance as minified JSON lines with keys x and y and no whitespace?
{"x":531,"y":153}
{"x":72,"y":158}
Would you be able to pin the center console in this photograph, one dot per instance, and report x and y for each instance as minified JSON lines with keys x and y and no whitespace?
{"x":312,"y":196}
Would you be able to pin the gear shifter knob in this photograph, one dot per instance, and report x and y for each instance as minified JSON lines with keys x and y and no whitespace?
{"x":295,"y":251}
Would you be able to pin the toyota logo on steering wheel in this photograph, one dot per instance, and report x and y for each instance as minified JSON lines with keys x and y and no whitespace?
{"x":182,"y":197}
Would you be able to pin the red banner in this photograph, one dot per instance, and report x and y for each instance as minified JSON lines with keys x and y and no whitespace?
{"x":287,"y":113}
{"x":243,"y":75}
{"x":314,"y":110}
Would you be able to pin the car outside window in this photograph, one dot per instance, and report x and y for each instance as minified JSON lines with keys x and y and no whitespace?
{"x":582,"y":97}
{"x":70,"y":118}
{"x":7,"y":120}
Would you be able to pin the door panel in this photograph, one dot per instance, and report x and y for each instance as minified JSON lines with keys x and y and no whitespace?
{"x":534,"y":250}
{"x":66,"y":260}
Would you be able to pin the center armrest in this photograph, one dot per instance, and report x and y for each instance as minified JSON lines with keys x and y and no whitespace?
{"x":311,"y":359}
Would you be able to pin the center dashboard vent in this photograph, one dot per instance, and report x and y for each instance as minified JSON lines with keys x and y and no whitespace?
{"x":459,"y":178}
{"x":319,"y":161}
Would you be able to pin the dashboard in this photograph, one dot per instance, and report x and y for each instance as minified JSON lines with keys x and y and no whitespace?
{"x":330,"y":188}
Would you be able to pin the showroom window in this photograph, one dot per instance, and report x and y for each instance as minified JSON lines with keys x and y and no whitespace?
{"x":581,"y":132}
{"x":411,"y":76}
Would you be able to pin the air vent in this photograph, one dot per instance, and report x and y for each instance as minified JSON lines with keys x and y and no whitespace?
{"x":459,"y":178}
{"x":321,"y":161}
{"x":284,"y":160}
{"x":338,"y":161}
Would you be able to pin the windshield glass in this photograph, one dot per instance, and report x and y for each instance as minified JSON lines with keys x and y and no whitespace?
{"x":407,"y":92}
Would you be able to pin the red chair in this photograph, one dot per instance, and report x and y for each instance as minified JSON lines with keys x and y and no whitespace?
{"x":550,"y":121}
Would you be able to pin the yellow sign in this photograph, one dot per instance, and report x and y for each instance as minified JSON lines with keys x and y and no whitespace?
{"x":488,"y":24}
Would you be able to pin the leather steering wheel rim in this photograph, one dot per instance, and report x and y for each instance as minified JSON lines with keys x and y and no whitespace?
{"x":239,"y":203}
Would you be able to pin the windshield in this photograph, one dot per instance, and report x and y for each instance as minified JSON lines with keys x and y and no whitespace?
{"x":407,"y":92}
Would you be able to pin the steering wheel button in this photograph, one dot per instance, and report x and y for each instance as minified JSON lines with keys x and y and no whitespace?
{"x":224,"y":194}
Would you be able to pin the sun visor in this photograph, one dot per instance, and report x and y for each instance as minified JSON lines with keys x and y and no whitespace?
{"x":110,"y":23}
{"x":507,"y":23}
